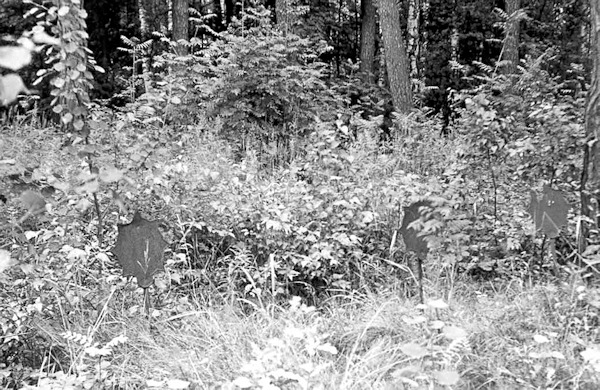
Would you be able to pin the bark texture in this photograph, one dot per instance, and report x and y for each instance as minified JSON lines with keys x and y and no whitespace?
{"x":511,"y":40}
{"x":396,"y":58}
{"x":145,"y":33}
{"x":414,"y":8}
{"x":180,"y":25}
{"x":592,"y":111}
{"x":368,"y":30}
{"x":590,"y":178}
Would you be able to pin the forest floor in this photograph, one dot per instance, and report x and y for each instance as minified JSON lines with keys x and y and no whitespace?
{"x":71,"y":321}
{"x":490,"y":335}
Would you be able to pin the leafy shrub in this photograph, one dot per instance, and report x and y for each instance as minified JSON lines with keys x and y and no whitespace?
{"x":267,"y":87}
{"x":326,"y":223}
{"x":516,"y":133}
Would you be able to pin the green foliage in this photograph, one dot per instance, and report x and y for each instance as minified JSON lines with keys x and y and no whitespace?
{"x":303,"y":338}
{"x":309,"y":233}
{"x":326,"y":222}
{"x":322,"y":223}
{"x":267,"y":87}
{"x":516,"y":133}
{"x":71,"y":63}
{"x":525,"y":123}
{"x":136,"y":50}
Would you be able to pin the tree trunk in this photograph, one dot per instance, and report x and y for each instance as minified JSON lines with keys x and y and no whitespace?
{"x":145,"y":34}
{"x":157,"y":12}
{"x":395,"y":55}
{"x":454,"y":36}
{"x":592,"y":110}
{"x":414,"y":8}
{"x":229,"y":10}
{"x":180,"y":25}
{"x":510,"y":52}
{"x":367,"y":39}
{"x":425,"y":7}
{"x":591,"y":168}
{"x":217,"y":9}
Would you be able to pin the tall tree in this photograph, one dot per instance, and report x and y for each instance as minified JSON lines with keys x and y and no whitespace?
{"x":143,"y":7}
{"x":157,"y":12}
{"x":396,"y":59}
{"x":425,"y":7}
{"x":510,"y":52}
{"x":229,"y":10}
{"x":180,"y":24}
{"x":412,"y":26}
{"x":368,"y":31}
{"x":217,"y":9}
{"x":592,"y":123}
{"x":105,"y":18}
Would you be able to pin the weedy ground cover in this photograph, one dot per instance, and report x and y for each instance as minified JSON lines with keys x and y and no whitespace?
{"x":235,"y":308}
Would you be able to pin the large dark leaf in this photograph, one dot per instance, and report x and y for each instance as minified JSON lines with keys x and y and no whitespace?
{"x":412,"y":240}
{"x":140,"y":249}
{"x":549,"y":214}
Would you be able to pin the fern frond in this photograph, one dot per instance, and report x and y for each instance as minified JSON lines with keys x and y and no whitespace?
{"x":483,"y":67}
{"x":501,"y":13}
{"x":518,"y":16}
{"x":144,"y":46}
{"x":127,"y":41}
{"x":79,"y":338}
{"x":193,"y":11}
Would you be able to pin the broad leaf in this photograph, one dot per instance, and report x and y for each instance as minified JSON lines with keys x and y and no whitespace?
{"x":140,"y":248}
{"x":14,"y":57}
{"x":414,"y":350}
{"x":549,"y":214}
{"x":412,"y":240}
{"x":11,"y":86}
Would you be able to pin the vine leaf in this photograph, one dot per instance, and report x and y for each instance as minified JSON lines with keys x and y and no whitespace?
{"x":140,"y":248}
{"x":412,"y":240}
{"x":550,"y":214}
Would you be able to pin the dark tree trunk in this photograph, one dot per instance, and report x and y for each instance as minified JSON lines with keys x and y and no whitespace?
{"x":229,"y":10}
{"x":396,"y":59}
{"x":104,"y":27}
{"x":592,"y":112}
{"x":591,"y":169}
{"x":180,"y":25}
{"x":217,"y":23}
{"x":368,"y":31}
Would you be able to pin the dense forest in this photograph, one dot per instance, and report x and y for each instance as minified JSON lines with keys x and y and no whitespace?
{"x":299,"y":194}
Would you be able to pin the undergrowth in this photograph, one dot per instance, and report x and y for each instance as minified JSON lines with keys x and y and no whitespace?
{"x":285,"y":266}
